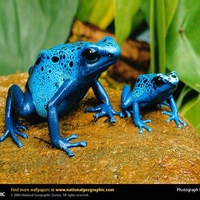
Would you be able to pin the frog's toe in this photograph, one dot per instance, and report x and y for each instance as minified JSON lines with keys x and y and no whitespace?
{"x":122,"y":115}
{"x":161,"y":105}
{"x":13,"y":132}
{"x":69,"y":153}
{"x":141,"y":124}
{"x":65,"y":145}
{"x":98,"y":115}
{"x":115,"y":113}
{"x":145,"y":127}
{"x":178,"y":121}
{"x":182,"y":122}
{"x":125,"y":113}
{"x":19,"y":125}
{"x":103,"y":113}
{"x":76,"y":144}
{"x":146,"y":121}
{"x":95,"y":109}
{"x":148,"y":129}
{"x":71,"y":137}
{"x":3,"y":137}
{"x":19,"y":144}
{"x":166,"y":113}
{"x":104,"y":110}
{"x":110,"y":113}
{"x":24,"y":135}
{"x":112,"y":120}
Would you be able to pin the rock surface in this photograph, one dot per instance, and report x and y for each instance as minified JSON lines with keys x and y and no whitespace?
{"x":115,"y":153}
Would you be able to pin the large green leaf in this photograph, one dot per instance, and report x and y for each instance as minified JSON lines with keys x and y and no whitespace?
{"x":170,"y":8}
{"x":26,"y":27}
{"x":191,"y":111}
{"x":188,"y":104}
{"x":145,"y":7}
{"x":125,"y":10}
{"x":159,"y":14}
{"x":160,"y":27}
{"x":183,"y":49}
{"x":97,"y":12}
{"x":159,"y":8}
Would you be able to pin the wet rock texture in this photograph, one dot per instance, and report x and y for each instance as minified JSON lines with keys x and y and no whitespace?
{"x":115,"y":153}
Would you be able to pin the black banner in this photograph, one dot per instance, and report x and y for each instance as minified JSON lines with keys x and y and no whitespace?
{"x":96,"y":191}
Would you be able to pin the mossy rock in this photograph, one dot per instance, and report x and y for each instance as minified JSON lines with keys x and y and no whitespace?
{"x":115,"y":153}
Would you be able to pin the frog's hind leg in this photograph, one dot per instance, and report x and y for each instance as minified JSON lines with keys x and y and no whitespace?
{"x":126,"y":102}
{"x":21,"y":104}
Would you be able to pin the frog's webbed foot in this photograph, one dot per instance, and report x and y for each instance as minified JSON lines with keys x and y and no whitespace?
{"x":175,"y":117}
{"x":141,"y":124}
{"x":104,"y":110}
{"x":63,"y":143}
{"x":13,"y":129}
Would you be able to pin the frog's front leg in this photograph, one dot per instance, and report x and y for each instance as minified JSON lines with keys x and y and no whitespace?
{"x":137,"y":119}
{"x":66,"y":90}
{"x":19,"y":103}
{"x":105,"y":107}
{"x":174,"y":114}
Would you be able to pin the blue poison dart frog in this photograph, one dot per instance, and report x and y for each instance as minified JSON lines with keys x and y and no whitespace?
{"x":150,"y":90}
{"x":59,"y":80}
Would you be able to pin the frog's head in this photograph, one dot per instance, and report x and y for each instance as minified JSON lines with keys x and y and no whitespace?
{"x":165,"y":84}
{"x":95,"y":58}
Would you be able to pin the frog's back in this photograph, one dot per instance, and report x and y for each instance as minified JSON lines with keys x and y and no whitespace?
{"x":143,"y":85}
{"x":49,"y":72}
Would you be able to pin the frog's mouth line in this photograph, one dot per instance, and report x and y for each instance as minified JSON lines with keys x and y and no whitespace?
{"x":102,"y":68}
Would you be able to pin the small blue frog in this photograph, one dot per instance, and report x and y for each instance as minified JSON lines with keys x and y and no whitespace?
{"x":150,"y":90}
{"x":59,"y":80}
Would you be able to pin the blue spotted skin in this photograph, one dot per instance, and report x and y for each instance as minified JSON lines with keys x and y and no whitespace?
{"x":150,"y":90}
{"x":59,"y":80}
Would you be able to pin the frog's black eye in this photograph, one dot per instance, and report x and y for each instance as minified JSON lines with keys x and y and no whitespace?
{"x":38,"y":61}
{"x":158,"y":81}
{"x":91,"y":55}
{"x":173,"y":76}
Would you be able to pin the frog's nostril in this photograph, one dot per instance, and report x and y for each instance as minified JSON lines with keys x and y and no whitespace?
{"x":110,"y":55}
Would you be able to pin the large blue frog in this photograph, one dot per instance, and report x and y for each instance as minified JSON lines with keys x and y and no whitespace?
{"x":59,"y":80}
{"x":150,"y":90}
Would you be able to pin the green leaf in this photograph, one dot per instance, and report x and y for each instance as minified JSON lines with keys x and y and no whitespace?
{"x":170,"y":9}
{"x":182,"y":96}
{"x":160,"y":34}
{"x":125,"y":10}
{"x":97,"y":12}
{"x":152,"y":36}
{"x":183,"y":49}
{"x":191,"y":112}
{"x":26,"y":27}
{"x":146,"y":7}
{"x":159,"y":14}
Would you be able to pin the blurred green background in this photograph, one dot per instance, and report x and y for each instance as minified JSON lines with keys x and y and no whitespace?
{"x":172,"y":27}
